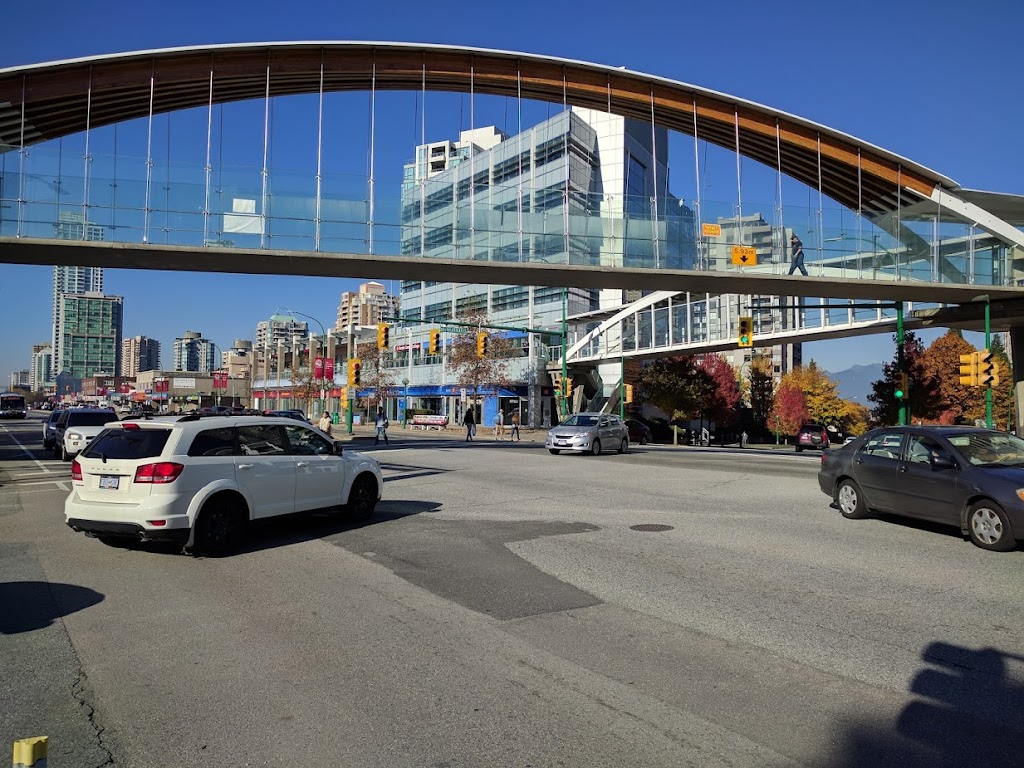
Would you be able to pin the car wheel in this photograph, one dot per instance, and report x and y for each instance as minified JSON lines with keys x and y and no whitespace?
{"x":64,"y":455}
{"x":988,"y":526}
{"x":554,"y":451}
{"x":643,"y":439}
{"x":217,"y":528}
{"x":851,"y":501}
{"x":799,"y":448}
{"x":624,"y":446}
{"x":362,"y":498}
{"x":595,"y":448}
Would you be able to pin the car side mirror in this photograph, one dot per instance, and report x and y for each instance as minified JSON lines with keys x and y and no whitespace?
{"x":338,"y":447}
{"x":943,"y":462}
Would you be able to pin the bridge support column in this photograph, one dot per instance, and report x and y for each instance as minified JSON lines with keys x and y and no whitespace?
{"x":1015,"y":348}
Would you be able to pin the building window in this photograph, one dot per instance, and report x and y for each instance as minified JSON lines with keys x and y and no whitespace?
{"x":636,"y":187}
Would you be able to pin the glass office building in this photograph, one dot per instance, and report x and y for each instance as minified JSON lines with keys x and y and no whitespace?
{"x":90,"y":334}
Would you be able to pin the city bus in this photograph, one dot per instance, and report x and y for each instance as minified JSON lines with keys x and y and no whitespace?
{"x":12,"y":406}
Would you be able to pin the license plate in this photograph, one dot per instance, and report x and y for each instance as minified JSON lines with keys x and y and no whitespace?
{"x":109,"y":481}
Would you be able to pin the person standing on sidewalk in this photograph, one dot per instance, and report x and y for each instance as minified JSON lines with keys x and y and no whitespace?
{"x":499,"y":425}
{"x":514,"y":435}
{"x":324,"y":425}
{"x":381,"y":423}
{"x":470,"y":421}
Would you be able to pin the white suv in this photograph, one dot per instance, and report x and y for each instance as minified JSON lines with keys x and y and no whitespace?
{"x":200,"y":481}
{"x":76,"y":427}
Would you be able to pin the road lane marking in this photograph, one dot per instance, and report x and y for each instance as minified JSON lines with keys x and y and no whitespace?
{"x":26,"y":451}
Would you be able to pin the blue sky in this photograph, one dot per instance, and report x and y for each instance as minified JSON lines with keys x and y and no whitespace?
{"x":936,"y":83}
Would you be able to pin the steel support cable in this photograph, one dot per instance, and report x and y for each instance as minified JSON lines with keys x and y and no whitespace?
{"x":87,"y":158}
{"x":654,"y":165}
{"x":207,"y":168}
{"x":319,"y":157}
{"x":373,"y":149}
{"x":266,"y":145}
{"x":149,"y":155}
{"x":699,"y":228}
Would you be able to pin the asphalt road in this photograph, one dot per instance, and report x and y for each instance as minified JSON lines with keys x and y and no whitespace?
{"x":503,"y":609}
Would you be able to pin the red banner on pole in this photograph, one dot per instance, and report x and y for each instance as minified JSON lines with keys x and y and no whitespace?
{"x":318,"y":368}
{"x":329,"y":368}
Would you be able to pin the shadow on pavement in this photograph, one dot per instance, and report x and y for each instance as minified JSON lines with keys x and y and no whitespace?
{"x":295,"y":529}
{"x":26,"y":606}
{"x":969,"y":713}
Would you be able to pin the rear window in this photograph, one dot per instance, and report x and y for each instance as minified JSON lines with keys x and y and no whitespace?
{"x":90,"y":419}
{"x":119,"y":443}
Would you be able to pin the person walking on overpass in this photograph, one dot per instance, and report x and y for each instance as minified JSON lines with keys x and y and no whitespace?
{"x":798,"y":255}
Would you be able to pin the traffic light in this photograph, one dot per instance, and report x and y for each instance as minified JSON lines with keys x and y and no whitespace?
{"x":567,"y":388}
{"x":355,"y":372}
{"x":481,"y":344}
{"x":383,"y":336}
{"x":969,"y":370}
{"x":988,"y":369}
{"x":902,"y":386}
{"x":435,"y":341}
{"x":629,"y":393}
{"x":746,"y":338}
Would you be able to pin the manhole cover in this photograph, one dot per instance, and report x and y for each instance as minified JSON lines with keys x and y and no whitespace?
{"x":650,"y":527}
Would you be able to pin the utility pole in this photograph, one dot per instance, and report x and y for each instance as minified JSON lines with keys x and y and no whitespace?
{"x":988,"y":344}
{"x":904,"y":403}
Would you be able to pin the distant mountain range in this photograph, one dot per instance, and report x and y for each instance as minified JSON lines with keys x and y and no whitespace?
{"x":855,"y":383}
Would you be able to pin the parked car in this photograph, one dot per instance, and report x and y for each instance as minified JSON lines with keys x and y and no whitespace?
{"x":289,"y":413}
{"x":200,"y":482}
{"x":811,"y":436}
{"x":961,"y":476}
{"x":639,"y":432}
{"x":588,"y":433}
{"x":50,"y":431}
{"x":76,"y":428}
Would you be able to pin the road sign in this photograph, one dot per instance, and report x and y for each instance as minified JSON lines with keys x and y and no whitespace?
{"x":744,"y":255}
{"x":711,"y":230}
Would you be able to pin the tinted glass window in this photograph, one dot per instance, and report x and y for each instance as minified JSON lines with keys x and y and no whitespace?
{"x":213,"y":442}
{"x":264,"y":439}
{"x":989,"y":448}
{"x":306,"y":441}
{"x":884,"y":444}
{"x":128,"y":444}
{"x":921,"y":448}
{"x":86,"y":419}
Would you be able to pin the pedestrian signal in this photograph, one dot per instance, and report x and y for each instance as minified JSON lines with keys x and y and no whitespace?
{"x":481,"y":344}
{"x":355,"y":372}
{"x":969,"y":370}
{"x":988,"y":369}
{"x":383,"y":336}
{"x":435,"y":341}
{"x":629,"y":393}
{"x":746,"y":336}
{"x":902,"y":391}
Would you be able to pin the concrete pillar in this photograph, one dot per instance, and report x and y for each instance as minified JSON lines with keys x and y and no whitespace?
{"x":1015,"y":341}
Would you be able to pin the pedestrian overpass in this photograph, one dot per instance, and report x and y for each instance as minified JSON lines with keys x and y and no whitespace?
{"x":127,"y":161}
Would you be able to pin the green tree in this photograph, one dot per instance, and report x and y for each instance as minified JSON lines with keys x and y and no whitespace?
{"x":676,"y":385}
{"x":761,"y":382}
{"x":924,"y":401}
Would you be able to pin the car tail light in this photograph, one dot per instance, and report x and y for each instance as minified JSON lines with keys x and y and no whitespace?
{"x":161,"y":472}
{"x":129,"y":425}
{"x":76,"y":470}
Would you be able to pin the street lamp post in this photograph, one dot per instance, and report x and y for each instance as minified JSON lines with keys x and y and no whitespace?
{"x":323,"y":398}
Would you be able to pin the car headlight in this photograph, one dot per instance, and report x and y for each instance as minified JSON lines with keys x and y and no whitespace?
{"x":1020,"y":493}
{"x":74,"y":436}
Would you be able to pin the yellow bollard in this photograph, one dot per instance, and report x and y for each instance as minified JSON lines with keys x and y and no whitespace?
{"x":30,"y":753}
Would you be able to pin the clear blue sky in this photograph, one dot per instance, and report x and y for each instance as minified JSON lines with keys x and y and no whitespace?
{"x":936,"y":82}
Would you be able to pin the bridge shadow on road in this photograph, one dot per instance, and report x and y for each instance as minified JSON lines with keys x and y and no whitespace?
{"x":969,"y":713}
{"x":29,"y":605}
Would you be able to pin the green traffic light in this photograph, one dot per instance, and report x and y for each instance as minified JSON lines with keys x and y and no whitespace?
{"x":899,"y":394}
{"x":743,"y":339}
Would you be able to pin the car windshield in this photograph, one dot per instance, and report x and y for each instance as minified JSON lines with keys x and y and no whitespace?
{"x":87,"y":419}
{"x":990,"y":449}
{"x":578,"y":420}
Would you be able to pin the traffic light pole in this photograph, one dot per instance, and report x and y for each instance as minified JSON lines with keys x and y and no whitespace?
{"x":622,"y":387}
{"x":904,"y":408}
{"x":565,"y":363}
{"x":988,"y":345}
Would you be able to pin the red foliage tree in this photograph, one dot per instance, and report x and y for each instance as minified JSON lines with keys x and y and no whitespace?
{"x":722,"y":400}
{"x":789,"y":410}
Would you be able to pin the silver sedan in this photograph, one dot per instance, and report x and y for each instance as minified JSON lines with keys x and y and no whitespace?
{"x":589,"y":433}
